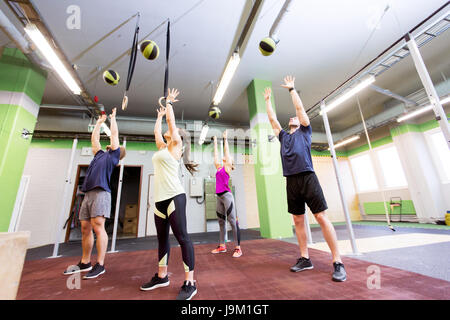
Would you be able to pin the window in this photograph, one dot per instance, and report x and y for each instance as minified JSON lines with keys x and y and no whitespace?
{"x":391,"y":167}
{"x":364,"y":174}
{"x":441,"y":154}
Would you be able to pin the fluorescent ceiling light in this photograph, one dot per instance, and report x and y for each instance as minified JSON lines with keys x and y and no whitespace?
{"x":421,"y":110}
{"x":350,"y":93}
{"x":346,"y":141}
{"x":47,"y":51}
{"x":203,"y":134}
{"x":226,"y":77}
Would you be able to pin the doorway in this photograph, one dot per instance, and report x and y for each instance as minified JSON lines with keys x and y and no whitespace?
{"x":128,"y":221}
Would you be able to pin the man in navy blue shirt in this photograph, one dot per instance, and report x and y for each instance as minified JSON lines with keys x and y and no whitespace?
{"x":96,"y":206}
{"x":302,"y":185}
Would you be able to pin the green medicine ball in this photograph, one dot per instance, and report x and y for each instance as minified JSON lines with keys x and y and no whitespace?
{"x":149,"y":49}
{"x":267,"y":46}
{"x":111,"y":77}
{"x":214,"y":112}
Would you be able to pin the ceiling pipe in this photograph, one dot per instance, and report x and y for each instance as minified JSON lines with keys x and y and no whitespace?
{"x":276,"y":25}
{"x":21,"y":42}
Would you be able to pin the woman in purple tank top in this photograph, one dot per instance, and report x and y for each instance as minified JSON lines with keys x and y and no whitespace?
{"x":225,"y":209}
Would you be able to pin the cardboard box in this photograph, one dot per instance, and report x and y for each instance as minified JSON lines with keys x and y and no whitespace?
{"x":130,"y":225}
{"x":131,"y":211}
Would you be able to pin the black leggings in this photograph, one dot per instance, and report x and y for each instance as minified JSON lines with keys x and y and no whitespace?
{"x":172,"y":213}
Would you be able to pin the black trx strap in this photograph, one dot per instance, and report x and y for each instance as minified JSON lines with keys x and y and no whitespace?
{"x":166,"y":76}
{"x":132,"y":63}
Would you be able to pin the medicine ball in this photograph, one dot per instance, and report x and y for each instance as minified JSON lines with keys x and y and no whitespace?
{"x":214,"y":112}
{"x":111,"y":77}
{"x":149,"y":49}
{"x":267,"y":46}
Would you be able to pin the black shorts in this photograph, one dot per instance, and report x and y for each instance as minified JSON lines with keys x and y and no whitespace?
{"x":304,"y":188}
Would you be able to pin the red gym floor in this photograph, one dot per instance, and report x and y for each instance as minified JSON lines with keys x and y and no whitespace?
{"x":261,"y":273}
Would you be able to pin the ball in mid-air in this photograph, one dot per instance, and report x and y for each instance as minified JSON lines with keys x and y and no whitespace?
{"x":267,"y":46}
{"x":149,"y":49}
{"x":214,"y":112}
{"x":111,"y":77}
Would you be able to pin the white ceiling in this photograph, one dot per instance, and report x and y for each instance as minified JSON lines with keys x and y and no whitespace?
{"x":320,"y":43}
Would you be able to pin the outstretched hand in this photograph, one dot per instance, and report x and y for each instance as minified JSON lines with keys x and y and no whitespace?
{"x":267,"y":94}
{"x":172,"y":95}
{"x":289,"y":82}
{"x":102,"y":119}
{"x":161,"y":112}
{"x":225,"y":134}
{"x":113,"y":114}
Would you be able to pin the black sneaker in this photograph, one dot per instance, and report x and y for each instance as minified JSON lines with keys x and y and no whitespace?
{"x":302,"y":264}
{"x":339,"y":273}
{"x":80,"y":267}
{"x":156,"y":282}
{"x":187,"y":291}
{"x":95,"y":272}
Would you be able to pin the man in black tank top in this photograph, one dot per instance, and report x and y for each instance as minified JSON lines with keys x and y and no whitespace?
{"x":302,"y":185}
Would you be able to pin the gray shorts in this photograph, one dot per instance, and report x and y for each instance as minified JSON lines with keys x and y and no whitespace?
{"x":96,"y":203}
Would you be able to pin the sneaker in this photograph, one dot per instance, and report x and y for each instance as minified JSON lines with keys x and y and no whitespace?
{"x":95,"y":272}
{"x":156,"y":282}
{"x":187,"y":291}
{"x":80,"y":267}
{"x":339,"y":273}
{"x":237,"y":253}
{"x":219,"y":249}
{"x":302,"y":264}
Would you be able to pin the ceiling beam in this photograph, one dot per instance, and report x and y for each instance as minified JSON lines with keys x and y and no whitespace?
{"x":391,"y":94}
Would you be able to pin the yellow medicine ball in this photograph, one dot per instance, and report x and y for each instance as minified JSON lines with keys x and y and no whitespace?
{"x":149,"y":49}
{"x":111,"y":77}
{"x":267,"y":46}
{"x":214,"y":112}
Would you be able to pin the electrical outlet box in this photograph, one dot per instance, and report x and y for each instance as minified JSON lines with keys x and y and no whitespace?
{"x":86,"y":151}
{"x":196,"y":187}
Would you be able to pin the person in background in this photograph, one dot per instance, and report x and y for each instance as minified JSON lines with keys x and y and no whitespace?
{"x":225,"y":208}
{"x":96,"y":205}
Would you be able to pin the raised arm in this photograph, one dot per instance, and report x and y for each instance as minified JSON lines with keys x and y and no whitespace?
{"x":95,"y":136}
{"x":299,"y":109}
{"x":226,"y":152}
{"x":270,"y":113}
{"x":216,"y":154}
{"x":170,"y":118}
{"x":160,"y":144}
{"x":114,"y":139}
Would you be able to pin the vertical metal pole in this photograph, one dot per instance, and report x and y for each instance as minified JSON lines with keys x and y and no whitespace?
{"x":308,"y":229}
{"x":377,"y":174}
{"x":119,"y":194}
{"x":439,"y":112}
{"x":59,"y":225}
{"x":338,"y":178}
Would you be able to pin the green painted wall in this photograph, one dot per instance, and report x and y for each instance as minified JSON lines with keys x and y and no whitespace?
{"x":378,"y":208}
{"x":12,"y":158}
{"x":275,"y":221}
{"x":17,"y":75}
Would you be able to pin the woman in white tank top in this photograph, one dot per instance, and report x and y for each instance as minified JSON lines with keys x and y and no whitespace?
{"x":170,"y":200}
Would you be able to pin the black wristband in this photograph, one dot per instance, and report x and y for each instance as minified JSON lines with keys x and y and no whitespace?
{"x":290,"y":89}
